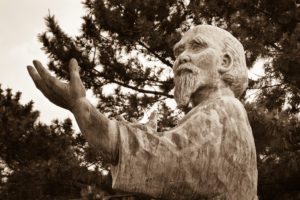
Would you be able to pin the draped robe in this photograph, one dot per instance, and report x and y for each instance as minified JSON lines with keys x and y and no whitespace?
{"x":210,"y":154}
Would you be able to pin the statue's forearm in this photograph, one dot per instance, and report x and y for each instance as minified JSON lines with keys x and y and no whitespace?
{"x":100,"y":132}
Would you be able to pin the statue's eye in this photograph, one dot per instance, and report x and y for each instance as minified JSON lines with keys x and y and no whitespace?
{"x":198,"y":44}
{"x":178,"y":50}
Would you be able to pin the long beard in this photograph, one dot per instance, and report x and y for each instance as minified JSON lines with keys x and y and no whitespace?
{"x":185,"y":85}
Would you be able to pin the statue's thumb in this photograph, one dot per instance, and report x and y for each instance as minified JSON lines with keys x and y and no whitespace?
{"x":75,"y":80}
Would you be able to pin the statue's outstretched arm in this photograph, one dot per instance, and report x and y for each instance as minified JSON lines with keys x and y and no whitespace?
{"x":99,"y":130}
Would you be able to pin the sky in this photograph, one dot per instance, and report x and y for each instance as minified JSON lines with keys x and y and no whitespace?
{"x":20,"y":23}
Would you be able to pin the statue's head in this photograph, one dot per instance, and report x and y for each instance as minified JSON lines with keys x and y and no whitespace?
{"x":208,"y":57}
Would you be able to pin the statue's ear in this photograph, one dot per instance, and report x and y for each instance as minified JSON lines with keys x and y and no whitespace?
{"x":226,"y":64}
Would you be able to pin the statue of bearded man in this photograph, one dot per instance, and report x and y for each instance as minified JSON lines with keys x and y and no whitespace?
{"x":210,"y":154}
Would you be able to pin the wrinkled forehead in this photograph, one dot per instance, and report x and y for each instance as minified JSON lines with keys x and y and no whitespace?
{"x":198,"y":30}
{"x":210,"y":34}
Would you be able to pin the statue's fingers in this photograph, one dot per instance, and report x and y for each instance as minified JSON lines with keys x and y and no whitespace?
{"x":41,"y":85}
{"x":36,"y":78}
{"x":53,"y":83}
{"x":45,"y":74}
{"x":75,"y":81}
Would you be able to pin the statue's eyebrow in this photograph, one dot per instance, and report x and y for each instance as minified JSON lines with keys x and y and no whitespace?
{"x":199,"y":40}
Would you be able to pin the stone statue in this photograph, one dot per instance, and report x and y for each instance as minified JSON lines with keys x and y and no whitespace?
{"x":210,"y":154}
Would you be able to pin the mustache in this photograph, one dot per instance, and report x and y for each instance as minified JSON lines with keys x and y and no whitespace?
{"x":186,"y":67}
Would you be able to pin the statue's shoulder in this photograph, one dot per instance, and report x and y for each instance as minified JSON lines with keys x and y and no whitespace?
{"x":220,"y":107}
{"x":236,"y":114}
{"x":232,"y":105}
{"x":230,"y":101}
{"x":221,"y":104}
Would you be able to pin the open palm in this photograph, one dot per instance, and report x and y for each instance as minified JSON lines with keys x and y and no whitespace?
{"x":62,"y":94}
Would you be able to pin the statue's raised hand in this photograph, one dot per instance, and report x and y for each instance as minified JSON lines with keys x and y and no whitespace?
{"x":62,"y":94}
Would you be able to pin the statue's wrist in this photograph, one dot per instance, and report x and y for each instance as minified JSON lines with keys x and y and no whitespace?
{"x":79,"y":105}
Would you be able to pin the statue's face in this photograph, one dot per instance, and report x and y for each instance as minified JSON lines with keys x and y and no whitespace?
{"x":196,"y":65}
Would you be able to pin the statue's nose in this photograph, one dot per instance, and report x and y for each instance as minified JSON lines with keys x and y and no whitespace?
{"x":184,"y":58}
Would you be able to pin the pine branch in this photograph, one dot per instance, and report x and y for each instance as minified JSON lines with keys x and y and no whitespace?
{"x":141,"y":90}
{"x":270,"y":86}
{"x":262,"y":11}
{"x":275,"y":46}
{"x":152,"y":80}
{"x":100,"y":74}
{"x":163,"y":60}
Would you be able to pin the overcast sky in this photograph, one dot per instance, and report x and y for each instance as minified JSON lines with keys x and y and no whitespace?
{"x":20,"y":23}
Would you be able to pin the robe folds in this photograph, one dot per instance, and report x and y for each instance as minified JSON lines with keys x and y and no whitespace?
{"x":210,"y":154}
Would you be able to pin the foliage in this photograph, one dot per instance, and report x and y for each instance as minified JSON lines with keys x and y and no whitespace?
{"x":40,"y":161}
{"x":277,"y":142}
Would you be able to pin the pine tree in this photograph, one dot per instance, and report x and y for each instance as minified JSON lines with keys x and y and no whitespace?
{"x":39,"y":161}
{"x":128,"y":46}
